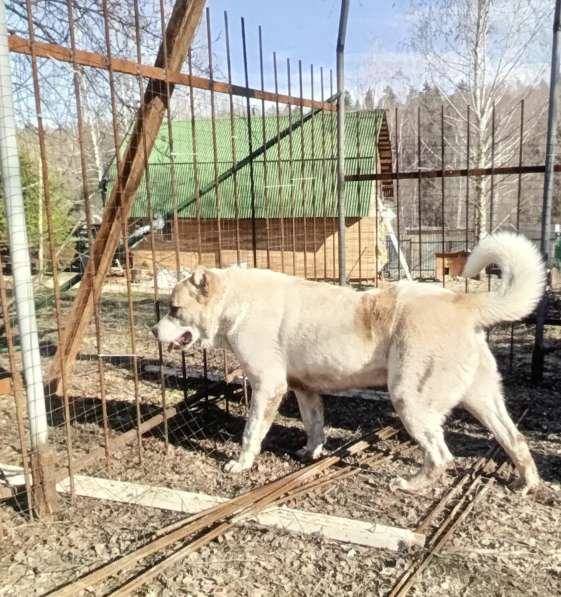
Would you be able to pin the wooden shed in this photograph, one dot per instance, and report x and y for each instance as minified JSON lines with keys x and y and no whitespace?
{"x":280,"y":206}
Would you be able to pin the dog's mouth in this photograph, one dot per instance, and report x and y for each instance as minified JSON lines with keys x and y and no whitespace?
{"x":181,"y":342}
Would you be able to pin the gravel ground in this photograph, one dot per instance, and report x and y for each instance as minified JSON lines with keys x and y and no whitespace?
{"x":509,"y":545}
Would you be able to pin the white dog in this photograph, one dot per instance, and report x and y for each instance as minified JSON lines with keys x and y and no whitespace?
{"x":425,"y":342}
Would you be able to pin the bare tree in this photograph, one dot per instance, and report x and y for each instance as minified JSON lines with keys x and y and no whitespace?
{"x":486,"y":55}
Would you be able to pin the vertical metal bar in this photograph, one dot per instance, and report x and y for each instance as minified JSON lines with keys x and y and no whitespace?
{"x":291,"y":171}
{"x":313,"y":174}
{"x":50,"y":237}
{"x":250,"y":148}
{"x":520,"y":161}
{"x":303,"y":171}
{"x":124,"y":225}
{"x":173,"y":177}
{"x":196,"y":179}
{"x":419,"y":200}
{"x":334,"y":186}
{"x":359,"y":198}
{"x":233,"y":140}
{"x":17,"y":385}
{"x":150,"y":208}
{"x":340,"y":58}
{"x":443,"y":195}
{"x":89,"y":224}
{"x":518,"y":201}
{"x":397,"y":194}
{"x":324,"y":172}
{"x":279,"y":161}
{"x":225,"y":367}
{"x":492,"y":197}
{"x":468,"y":156}
{"x":19,"y":250}
{"x":377,"y":239}
{"x":264,"y":140}
{"x":550,"y":149}
{"x":213,"y":133}
{"x":205,"y":372}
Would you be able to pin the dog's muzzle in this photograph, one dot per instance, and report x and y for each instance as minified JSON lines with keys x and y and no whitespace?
{"x":177,"y":337}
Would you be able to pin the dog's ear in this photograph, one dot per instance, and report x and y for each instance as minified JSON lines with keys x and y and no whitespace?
{"x":199,"y":279}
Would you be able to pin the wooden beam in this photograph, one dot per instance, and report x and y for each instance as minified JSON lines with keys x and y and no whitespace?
{"x":180,"y":31}
{"x":451,"y":173}
{"x":21,"y":45}
{"x":290,"y":520}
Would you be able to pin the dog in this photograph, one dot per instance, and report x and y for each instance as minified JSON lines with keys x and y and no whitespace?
{"x":425,"y":343}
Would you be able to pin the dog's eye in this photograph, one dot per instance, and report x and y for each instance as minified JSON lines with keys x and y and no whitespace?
{"x":174,"y":311}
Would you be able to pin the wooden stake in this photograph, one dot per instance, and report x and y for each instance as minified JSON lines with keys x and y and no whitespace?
{"x":45,"y":499}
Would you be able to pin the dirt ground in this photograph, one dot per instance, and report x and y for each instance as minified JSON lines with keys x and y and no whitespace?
{"x":509,"y":544}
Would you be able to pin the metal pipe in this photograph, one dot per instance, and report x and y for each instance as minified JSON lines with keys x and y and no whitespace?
{"x":340,"y":55}
{"x":250,"y":150}
{"x":545,"y":243}
{"x":19,"y":250}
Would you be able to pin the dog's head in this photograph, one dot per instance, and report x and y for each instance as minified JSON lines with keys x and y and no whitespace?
{"x":189,"y":303}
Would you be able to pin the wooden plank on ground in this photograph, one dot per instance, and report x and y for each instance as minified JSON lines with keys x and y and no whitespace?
{"x":335,"y":528}
{"x":291,"y":520}
{"x":179,"y":34}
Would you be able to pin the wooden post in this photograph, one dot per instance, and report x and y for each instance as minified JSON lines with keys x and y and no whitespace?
{"x":179,"y":35}
{"x":43,"y":461}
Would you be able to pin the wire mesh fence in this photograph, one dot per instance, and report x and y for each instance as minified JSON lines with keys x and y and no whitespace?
{"x":137,"y":169}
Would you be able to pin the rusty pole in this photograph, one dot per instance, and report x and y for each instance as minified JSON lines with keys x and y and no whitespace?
{"x":341,"y":136}
{"x":545,"y":244}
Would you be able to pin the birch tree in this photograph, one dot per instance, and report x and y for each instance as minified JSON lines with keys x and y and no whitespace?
{"x":482,"y":54}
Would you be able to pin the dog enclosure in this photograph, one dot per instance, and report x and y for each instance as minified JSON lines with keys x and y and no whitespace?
{"x":165,"y":155}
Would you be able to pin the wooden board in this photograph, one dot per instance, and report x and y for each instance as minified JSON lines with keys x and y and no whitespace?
{"x":334,"y":528}
{"x":287,"y":519}
{"x":22,"y":45}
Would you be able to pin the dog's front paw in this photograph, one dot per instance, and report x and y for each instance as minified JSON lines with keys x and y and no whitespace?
{"x":525,"y":486}
{"x":416,"y":484}
{"x":306,"y":454}
{"x":235,"y":466}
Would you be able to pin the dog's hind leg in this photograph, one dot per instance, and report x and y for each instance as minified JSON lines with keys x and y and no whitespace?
{"x":484,"y":400}
{"x":311,"y":410}
{"x":265,"y":401}
{"x":422,"y":399}
{"x":425,"y":427}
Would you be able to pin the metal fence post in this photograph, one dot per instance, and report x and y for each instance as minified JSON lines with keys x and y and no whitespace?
{"x":23,"y":287}
{"x":341,"y":136}
{"x":545,"y":244}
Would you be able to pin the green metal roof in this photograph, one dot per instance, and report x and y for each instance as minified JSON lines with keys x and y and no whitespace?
{"x":296,"y":177}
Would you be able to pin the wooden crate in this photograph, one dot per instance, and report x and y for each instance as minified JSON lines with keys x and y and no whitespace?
{"x":450,"y":264}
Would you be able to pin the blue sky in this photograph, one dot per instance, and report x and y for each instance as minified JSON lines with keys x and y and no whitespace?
{"x":307,"y":30}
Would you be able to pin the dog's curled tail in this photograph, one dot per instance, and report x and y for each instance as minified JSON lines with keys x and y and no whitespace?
{"x":523,"y":277}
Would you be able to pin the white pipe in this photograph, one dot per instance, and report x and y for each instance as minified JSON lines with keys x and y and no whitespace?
{"x":19,"y":249}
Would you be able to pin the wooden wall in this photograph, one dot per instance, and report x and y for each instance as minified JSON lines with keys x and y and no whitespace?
{"x":299,"y":246}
